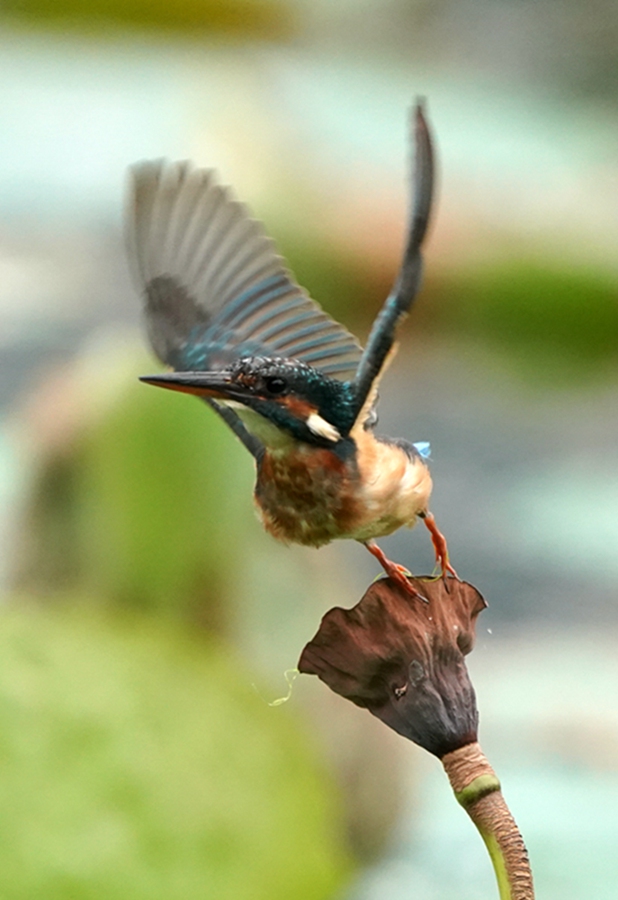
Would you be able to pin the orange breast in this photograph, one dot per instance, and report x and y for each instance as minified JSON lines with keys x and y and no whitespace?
{"x":311,"y":496}
{"x":395,"y":487}
{"x":307,"y":496}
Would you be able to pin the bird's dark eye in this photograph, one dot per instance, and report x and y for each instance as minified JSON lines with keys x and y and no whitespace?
{"x":275,"y":385}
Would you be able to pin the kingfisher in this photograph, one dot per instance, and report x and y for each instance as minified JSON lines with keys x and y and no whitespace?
{"x":295,"y":386}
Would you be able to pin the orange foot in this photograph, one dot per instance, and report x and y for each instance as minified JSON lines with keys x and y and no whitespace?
{"x":439,"y":545}
{"x":394,"y":570}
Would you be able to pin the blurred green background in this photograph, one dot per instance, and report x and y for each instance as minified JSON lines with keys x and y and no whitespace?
{"x":146,"y":620}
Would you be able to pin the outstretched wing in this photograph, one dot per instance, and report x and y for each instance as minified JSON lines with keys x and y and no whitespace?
{"x":215,"y":287}
{"x":381,"y":342}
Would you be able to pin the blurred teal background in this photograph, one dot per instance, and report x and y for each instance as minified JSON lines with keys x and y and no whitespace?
{"x":146,"y":619}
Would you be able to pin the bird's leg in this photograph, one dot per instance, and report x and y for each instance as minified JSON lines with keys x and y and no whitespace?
{"x":394,"y":570}
{"x":439,"y":545}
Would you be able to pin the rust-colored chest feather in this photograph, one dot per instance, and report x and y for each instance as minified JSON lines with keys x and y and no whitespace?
{"x":308,"y":496}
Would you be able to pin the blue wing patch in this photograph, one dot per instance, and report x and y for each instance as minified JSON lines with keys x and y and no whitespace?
{"x":424,"y":449}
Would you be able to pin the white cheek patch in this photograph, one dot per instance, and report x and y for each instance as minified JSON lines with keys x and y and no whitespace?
{"x":322,"y":428}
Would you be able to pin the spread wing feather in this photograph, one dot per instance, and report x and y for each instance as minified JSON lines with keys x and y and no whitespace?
{"x":215,"y":287}
{"x":381,"y":342}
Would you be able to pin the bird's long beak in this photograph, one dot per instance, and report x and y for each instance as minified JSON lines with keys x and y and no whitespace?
{"x":203,"y":384}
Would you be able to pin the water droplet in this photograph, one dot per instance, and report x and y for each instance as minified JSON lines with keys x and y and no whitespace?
{"x":489,"y":631}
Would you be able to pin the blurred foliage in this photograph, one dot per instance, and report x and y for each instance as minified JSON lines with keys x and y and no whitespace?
{"x":555,"y":322}
{"x":567,"y":46}
{"x":138,"y":763}
{"x":245,"y":18}
{"x":140,"y":500}
{"x":145,"y":506}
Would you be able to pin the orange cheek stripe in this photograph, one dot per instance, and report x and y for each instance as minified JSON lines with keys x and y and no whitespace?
{"x":299,"y":408}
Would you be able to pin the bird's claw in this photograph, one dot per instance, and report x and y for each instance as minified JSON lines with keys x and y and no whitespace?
{"x":398,"y":573}
{"x":401,"y":575}
{"x":440,"y":548}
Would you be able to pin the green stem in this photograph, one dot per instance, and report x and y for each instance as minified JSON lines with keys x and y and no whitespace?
{"x":499,"y":864}
{"x":477,"y":789}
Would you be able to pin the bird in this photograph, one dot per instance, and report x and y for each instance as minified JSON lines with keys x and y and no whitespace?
{"x":226,"y":316}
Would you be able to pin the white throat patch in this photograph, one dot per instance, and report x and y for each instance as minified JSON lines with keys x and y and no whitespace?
{"x":322,"y":428}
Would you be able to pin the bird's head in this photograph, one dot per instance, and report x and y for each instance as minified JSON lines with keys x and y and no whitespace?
{"x":279,"y":400}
